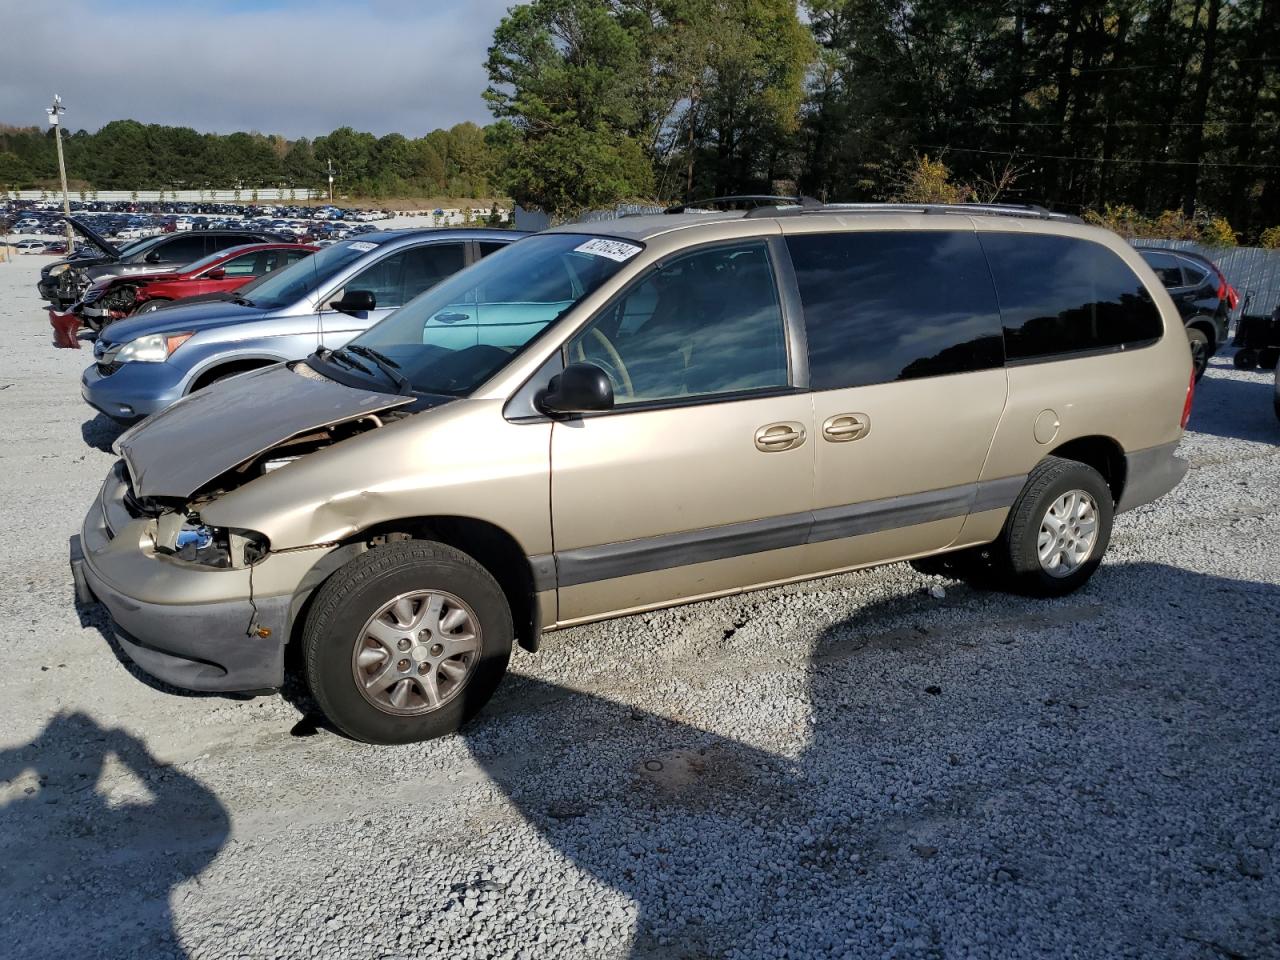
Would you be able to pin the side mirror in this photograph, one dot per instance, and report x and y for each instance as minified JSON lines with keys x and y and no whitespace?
{"x":356,"y":301}
{"x":580,"y":388}
{"x":218,"y":274}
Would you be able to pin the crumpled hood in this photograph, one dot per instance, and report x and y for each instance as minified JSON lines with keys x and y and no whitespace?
{"x":176,"y":452}
{"x":182,"y":317}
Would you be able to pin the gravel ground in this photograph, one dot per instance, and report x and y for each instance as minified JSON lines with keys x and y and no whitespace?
{"x":852,"y":767}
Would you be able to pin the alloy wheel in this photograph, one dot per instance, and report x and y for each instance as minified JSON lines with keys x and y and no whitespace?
{"x":416,"y":652}
{"x":1068,"y":533}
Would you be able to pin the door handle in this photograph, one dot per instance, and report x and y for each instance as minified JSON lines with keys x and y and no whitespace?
{"x":451,"y":317}
{"x":776,"y":437}
{"x":844,"y":427}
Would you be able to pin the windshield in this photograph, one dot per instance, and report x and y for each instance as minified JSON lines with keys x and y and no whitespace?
{"x":465,"y":329}
{"x":282,"y":288}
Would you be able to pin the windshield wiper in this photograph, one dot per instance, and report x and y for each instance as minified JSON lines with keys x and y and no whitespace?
{"x":243,"y":301}
{"x":385,"y":364}
{"x":345,"y":358}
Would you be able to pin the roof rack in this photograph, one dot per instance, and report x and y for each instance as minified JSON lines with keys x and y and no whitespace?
{"x":746,"y":201}
{"x":964,"y":209}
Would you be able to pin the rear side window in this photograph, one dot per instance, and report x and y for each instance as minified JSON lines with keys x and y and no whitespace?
{"x":490,"y":246}
{"x":1165,"y":267}
{"x":895,"y":305}
{"x":184,"y":249}
{"x":426,"y":266}
{"x":1194,"y":273}
{"x":1061,"y":296}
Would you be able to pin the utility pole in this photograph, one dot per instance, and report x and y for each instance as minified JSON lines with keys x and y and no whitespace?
{"x":330,"y":163}
{"x":55,"y":112}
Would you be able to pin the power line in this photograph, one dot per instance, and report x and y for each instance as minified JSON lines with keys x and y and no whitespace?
{"x":1018,"y":154}
{"x":1124,"y":123}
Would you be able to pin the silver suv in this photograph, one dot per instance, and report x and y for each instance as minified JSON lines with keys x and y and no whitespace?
{"x":145,"y":363}
{"x":611,"y":418}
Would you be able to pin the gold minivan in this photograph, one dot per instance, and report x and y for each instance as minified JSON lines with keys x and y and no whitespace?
{"x":612,"y":417}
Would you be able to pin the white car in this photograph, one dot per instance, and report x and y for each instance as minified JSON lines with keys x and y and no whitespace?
{"x":30,"y":246}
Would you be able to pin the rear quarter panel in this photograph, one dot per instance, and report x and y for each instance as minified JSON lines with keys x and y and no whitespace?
{"x":1134,"y":397}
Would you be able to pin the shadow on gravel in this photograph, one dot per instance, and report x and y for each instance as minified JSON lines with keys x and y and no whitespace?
{"x":984,"y":775}
{"x":93,"y":838}
{"x":1235,"y":409}
{"x":101,"y":432}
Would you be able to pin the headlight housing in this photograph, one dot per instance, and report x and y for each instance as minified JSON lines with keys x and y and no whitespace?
{"x":153,"y":348}
{"x":59,"y":269}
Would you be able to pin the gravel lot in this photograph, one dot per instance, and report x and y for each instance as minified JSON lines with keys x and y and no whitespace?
{"x":852,"y":767}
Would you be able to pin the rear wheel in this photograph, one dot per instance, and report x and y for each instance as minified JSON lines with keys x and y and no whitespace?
{"x":1057,"y":530}
{"x":1201,"y":348}
{"x":406,"y":642}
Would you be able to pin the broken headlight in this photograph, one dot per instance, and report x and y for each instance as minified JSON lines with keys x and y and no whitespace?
{"x":218,"y":547}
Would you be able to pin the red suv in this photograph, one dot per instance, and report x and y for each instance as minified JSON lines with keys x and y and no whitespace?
{"x":221,"y":272}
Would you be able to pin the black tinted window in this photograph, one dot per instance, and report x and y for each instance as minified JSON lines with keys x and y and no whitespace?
{"x":1194,"y":273}
{"x":490,"y":246}
{"x":886,"y":306}
{"x":224,"y":241}
{"x":426,"y":266}
{"x":1059,"y":295}
{"x":1165,"y":267}
{"x":184,"y":249}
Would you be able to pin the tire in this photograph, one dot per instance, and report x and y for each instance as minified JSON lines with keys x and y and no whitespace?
{"x":1016,"y":553}
{"x":1245,"y":359}
{"x":1201,"y":350}
{"x":338,"y":649}
{"x":1268,"y":358}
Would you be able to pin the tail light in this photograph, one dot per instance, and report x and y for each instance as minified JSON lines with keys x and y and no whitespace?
{"x":1233,"y":298}
{"x":1191,"y":393}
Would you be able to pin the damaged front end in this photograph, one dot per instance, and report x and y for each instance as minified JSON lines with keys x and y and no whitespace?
{"x":201,"y":605}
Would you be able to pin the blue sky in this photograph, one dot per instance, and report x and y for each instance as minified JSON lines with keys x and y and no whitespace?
{"x":297,"y":67}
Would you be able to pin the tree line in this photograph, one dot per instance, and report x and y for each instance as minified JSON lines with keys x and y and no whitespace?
{"x":1144,"y":105}
{"x":128,"y":155}
{"x":1126,"y":110}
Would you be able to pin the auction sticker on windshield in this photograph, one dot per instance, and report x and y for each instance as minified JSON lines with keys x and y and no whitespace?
{"x":618,"y":250}
{"x":364,"y":245}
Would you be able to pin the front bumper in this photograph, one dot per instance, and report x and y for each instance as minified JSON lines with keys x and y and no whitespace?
{"x":134,"y":391}
{"x":193,"y":627}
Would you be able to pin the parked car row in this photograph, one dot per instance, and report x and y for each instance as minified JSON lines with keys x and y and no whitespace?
{"x":320,"y":302}
{"x":476,"y":437}
{"x":224,"y":271}
{"x":64,"y":282}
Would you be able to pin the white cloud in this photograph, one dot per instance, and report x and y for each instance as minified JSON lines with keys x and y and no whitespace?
{"x":382,"y":66}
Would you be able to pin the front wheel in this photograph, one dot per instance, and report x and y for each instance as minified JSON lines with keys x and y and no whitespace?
{"x":406,"y":642}
{"x":1057,"y":531}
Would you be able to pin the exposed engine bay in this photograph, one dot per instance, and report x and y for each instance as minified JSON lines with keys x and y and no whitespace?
{"x":213,"y":442}
{"x":181,"y":533}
